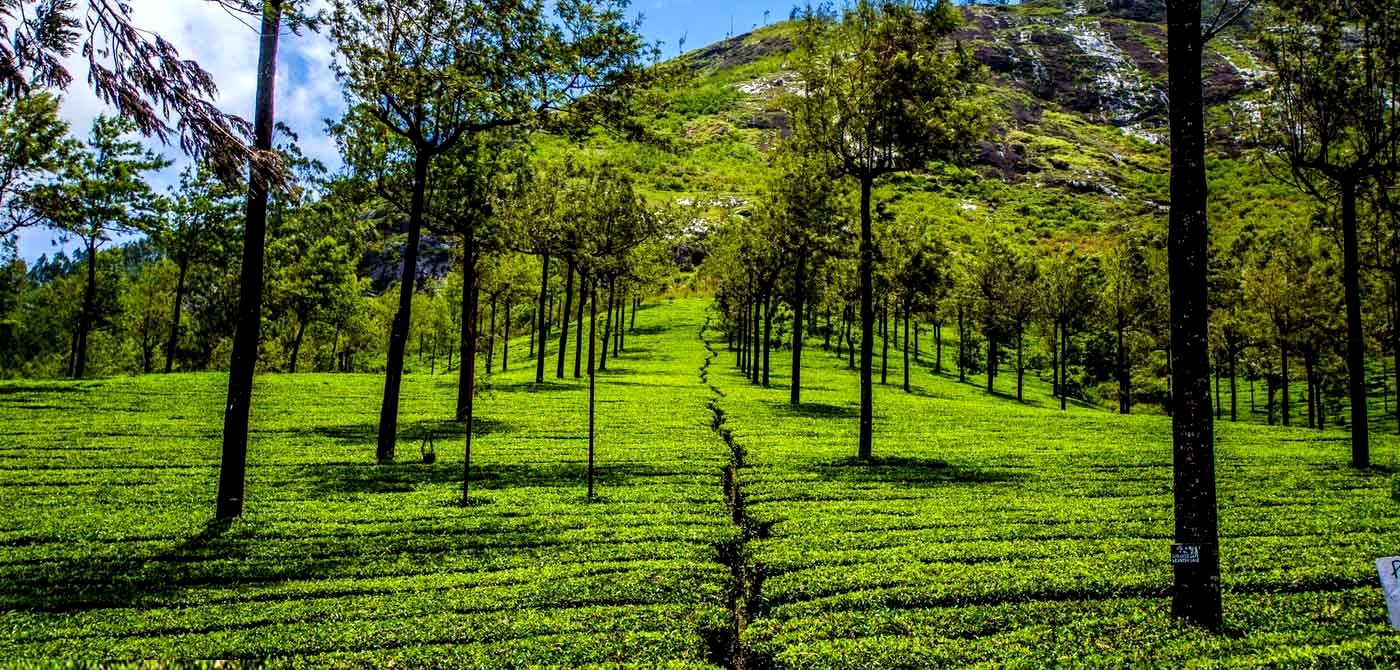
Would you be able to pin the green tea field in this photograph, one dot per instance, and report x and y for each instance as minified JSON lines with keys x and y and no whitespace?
{"x":731,"y":530}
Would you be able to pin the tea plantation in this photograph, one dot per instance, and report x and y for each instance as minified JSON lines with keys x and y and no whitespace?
{"x":987,"y":533}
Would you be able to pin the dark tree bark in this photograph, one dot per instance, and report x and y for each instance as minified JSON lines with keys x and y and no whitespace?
{"x":176,"y":312}
{"x":1287,"y":400}
{"x":767,"y":337}
{"x":1020,"y":363}
{"x":296,"y":342}
{"x":568,"y":307}
{"x":938,"y":348}
{"x":1125,"y":398}
{"x":1196,"y":593}
{"x":468,"y":334}
{"x":1064,"y":369}
{"x":607,"y":326}
{"x":467,"y":412}
{"x":584,"y":295}
{"x":505,"y":337}
{"x":1356,"y":338}
{"x":1055,"y":359}
{"x":992,"y":358}
{"x":962,"y":347}
{"x":756,"y":356}
{"x":799,"y":295}
{"x":884,"y":342}
{"x":398,"y":335}
{"x":867,"y":322}
{"x":592,"y":377}
{"x":491,"y":336}
{"x":87,"y":315}
{"x":908,"y":304}
{"x":540,"y":336}
{"x":234,"y":456}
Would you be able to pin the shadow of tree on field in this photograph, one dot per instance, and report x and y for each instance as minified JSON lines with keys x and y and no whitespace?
{"x":411,"y":433}
{"x":551,"y":385}
{"x":911,"y":471}
{"x":814,"y":410}
{"x":647,"y":330}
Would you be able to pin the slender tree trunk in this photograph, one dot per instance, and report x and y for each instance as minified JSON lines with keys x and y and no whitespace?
{"x":991,"y":362}
{"x":234,"y":455}
{"x":867,"y":321}
{"x":1219,"y":406}
{"x":768,"y":337}
{"x":1064,"y":368}
{"x":1020,"y":363}
{"x":175,"y":313}
{"x":884,"y":342}
{"x":568,"y":306}
{"x":541,"y":332}
{"x":799,"y":295}
{"x":1055,"y":359}
{"x":607,"y":326}
{"x":398,"y":335}
{"x":296,"y":343}
{"x":592,"y":377}
{"x":636,"y":305}
{"x":86,"y":317}
{"x":618,"y":326}
{"x":1308,"y":383}
{"x":1125,"y":399}
{"x":1356,"y":338}
{"x":505,"y":337}
{"x":756,"y":360}
{"x":1234,"y":396}
{"x":585,"y":294}
{"x":1287,"y":400}
{"x":962,"y":347}
{"x":491,"y":337}
{"x":908,"y":303}
{"x":1196,"y":592}
{"x":467,"y":410}
{"x":851,"y":340}
{"x":937,"y":348}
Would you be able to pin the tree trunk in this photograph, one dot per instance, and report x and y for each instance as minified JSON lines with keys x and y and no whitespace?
{"x":505,"y":337}
{"x":768,"y":337}
{"x":1020,"y":363}
{"x":1064,"y":368}
{"x":607,"y":326}
{"x":243,"y":362}
{"x":867,"y":321}
{"x":937,"y":348}
{"x":799,"y":294}
{"x":175,"y":313}
{"x":962,"y":348}
{"x":1287,"y":401}
{"x":1219,"y":406}
{"x":467,"y":410}
{"x":296,"y":343}
{"x":908,"y":304}
{"x":1125,"y":400}
{"x":584,"y":295}
{"x":491,"y":337}
{"x":1311,"y":387}
{"x":991,"y":362}
{"x":1196,"y":592}
{"x":86,"y":317}
{"x":884,"y":342}
{"x":540,"y":336}
{"x":1356,"y":338}
{"x":1234,"y":396}
{"x":568,"y":306}
{"x":851,"y":340}
{"x":756,"y":358}
{"x":592,"y":378}
{"x":1055,"y":359}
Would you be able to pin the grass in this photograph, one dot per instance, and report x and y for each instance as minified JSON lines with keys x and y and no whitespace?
{"x":986,"y":533}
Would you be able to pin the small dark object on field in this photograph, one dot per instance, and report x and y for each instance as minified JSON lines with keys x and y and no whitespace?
{"x":426,"y":448}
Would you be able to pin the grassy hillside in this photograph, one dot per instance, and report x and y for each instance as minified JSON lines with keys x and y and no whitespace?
{"x":988,"y":533}
{"x":1076,"y":91}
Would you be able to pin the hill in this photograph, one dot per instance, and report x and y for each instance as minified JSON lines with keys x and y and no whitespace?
{"x":1077,"y":93}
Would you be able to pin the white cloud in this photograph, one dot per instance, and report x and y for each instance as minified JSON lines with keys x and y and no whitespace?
{"x":226,"y":45}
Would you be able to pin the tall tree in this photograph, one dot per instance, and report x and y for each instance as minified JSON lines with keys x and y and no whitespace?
{"x":196,"y":224}
{"x":884,"y":93}
{"x":34,"y":145}
{"x":243,"y":362}
{"x":101,"y":193}
{"x":1196,"y":593}
{"x":1336,"y":67}
{"x":433,"y":72}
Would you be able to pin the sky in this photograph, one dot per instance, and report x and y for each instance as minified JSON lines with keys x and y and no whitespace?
{"x":307,"y":93}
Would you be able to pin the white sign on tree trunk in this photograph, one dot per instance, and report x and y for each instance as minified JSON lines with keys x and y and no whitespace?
{"x":1389,"y":569}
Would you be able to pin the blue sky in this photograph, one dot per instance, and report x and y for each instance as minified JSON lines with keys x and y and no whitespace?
{"x":307,"y":93}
